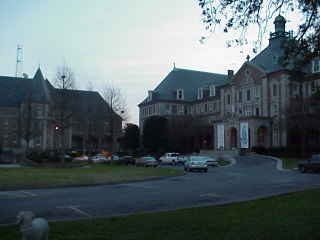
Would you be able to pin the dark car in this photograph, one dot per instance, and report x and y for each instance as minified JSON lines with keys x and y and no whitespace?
{"x":147,"y":161}
{"x":311,"y":165}
{"x":125,"y":160}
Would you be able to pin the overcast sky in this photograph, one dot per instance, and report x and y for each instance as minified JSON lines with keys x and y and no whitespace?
{"x":131,"y":43}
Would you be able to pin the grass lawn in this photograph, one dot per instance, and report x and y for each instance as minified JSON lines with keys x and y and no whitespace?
{"x":287,"y":217}
{"x":290,"y":163}
{"x":19,"y":178}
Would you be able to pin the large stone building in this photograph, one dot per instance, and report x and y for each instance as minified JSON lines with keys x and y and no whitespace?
{"x":29,"y":109}
{"x":244,"y":109}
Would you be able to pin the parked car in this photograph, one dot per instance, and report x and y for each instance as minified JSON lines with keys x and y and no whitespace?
{"x":198,"y":163}
{"x":81,"y":158}
{"x":212,"y":161}
{"x":99,"y":158}
{"x":113,"y":158}
{"x":127,"y":160}
{"x":124,"y":160}
{"x":147,"y":161}
{"x":313,"y":164}
{"x":182,"y":159}
{"x":169,"y":158}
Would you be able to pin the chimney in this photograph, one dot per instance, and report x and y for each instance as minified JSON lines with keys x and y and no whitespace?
{"x":230,"y":74}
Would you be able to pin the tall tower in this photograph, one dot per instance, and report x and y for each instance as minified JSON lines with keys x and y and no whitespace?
{"x":19,"y":61}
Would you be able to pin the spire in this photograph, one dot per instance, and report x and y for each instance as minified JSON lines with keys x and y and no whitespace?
{"x":38,"y":75}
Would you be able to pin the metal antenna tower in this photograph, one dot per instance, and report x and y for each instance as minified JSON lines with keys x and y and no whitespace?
{"x":19,"y":61}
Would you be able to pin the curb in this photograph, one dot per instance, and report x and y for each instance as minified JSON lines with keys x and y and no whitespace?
{"x":279,"y":162}
{"x":98,"y":184}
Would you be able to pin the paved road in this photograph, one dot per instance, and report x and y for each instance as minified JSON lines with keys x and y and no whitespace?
{"x":250,"y":178}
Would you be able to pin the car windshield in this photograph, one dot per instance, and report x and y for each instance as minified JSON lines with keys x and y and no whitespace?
{"x":197,"y":159}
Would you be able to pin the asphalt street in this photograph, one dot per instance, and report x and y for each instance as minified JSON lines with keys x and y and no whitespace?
{"x":250,"y":178}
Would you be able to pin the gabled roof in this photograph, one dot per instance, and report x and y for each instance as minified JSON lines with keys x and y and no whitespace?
{"x":15,"y":90}
{"x":85,"y":104}
{"x":189,"y":81}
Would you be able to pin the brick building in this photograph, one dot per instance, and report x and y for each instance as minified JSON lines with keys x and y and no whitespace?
{"x":28,"y":113}
{"x":242,"y":109}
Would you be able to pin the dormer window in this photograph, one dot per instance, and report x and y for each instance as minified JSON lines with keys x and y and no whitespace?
{"x":212,"y":90}
{"x":316,"y":66}
{"x":150,"y":95}
{"x":180,"y":94}
{"x":200,"y":93}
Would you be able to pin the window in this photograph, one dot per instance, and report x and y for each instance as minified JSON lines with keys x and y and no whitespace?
{"x":257,"y":112}
{"x":205,"y":107}
{"x":316,"y":66}
{"x":212,"y":91}
{"x":174,"y":109}
{"x":248,"y":95}
{"x":210,"y":107}
{"x":257,"y":92}
{"x":180,"y":94}
{"x":229,"y":99}
{"x":313,"y":86}
{"x":240,"y":96}
{"x":274,"y":90}
{"x":200,"y":93}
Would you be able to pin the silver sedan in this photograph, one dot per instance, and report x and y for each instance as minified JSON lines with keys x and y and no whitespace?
{"x":198,"y":163}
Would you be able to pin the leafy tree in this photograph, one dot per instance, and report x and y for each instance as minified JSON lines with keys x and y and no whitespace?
{"x":155,"y":136}
{"x":239,"y":15}
{"x":131,"y":137}
{"x":303,"y":120}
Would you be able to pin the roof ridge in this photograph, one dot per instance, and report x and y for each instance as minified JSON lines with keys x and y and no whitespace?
{"x":17,"y":78}
{"x":191,"y":70}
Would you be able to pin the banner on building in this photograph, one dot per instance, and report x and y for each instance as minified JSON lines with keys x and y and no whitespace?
{"x":244,"y":135}
{"x":220,"y":135}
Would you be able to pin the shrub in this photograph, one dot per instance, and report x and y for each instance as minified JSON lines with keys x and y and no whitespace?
{"x":259,"y":149}
{"x":35,"y":156}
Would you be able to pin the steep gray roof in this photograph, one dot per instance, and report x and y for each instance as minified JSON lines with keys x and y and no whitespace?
{"x":13,"y":91}
{"x":189,"y":81}
{"x":85,"y":103}
{"x":268,"y":59}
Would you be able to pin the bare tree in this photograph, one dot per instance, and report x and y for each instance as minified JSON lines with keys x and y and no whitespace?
{"x":117,"y":107}
{"x":89,"y":86}
{"x":64,"y":81}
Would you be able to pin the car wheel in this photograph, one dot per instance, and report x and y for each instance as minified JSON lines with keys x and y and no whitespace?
{"x":206,"y":170}
{"x":303,"y":169}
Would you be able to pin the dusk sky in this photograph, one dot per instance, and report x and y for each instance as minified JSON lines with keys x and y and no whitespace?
{"x":130,"y":43}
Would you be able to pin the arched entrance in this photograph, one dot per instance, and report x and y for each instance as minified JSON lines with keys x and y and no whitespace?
{"x":233,"y":137}
{"x":262,"y":132}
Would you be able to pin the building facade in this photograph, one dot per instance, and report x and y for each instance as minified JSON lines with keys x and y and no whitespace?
{"x":29,"y":117}
{"x":244,"y":109}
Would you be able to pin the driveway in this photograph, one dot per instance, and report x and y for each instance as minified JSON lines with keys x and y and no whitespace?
{"x":252,"y":177}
